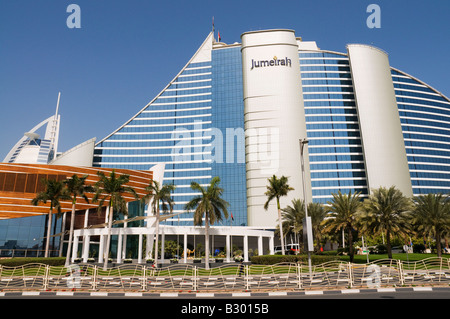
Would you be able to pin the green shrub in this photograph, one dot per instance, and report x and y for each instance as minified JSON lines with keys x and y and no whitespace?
{"x":418,"y":248}
{"x":275,"y":259}
{"x":20,"y":261}
{"x":381,"y":249}
{"x":329,"y":253}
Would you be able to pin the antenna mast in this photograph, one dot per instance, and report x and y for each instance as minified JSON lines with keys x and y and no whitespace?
{"x":55,"y":129}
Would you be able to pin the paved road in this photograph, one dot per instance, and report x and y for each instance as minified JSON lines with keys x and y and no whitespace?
{"x":380,"y":293}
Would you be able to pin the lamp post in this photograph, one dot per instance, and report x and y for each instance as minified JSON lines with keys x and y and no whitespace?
{"x":303,"y":142}
{"x":307,"y":227}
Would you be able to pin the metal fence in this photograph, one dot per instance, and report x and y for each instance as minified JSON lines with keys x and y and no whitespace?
{"x":188,"y":277}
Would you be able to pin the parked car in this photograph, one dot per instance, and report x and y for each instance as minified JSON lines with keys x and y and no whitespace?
{"x":290,"y":249}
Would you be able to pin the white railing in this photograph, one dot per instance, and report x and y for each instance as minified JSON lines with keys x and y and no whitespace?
{"x":188,"y":277}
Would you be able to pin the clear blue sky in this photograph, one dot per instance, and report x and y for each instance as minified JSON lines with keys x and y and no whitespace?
{"x":127,"y":51}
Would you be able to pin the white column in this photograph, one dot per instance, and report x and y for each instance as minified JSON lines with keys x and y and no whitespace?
{"x":228,"y":248}
{"x":86,"y":242}
{"x":74,"y":248}
{"x":260,"y":246}
{"x":185,"y":247}
{"x":149,"y":245}
{"x":101,"y":249}
{"x":63,"y":229}
{"x":124,"y":245}
{"x":105,"y":254}
{"x":119,"y":247}
{"x":83,"y":249}
{"x":271,"y":246}
{"x":140,"y":248}
{"x":163,"y":244}
{"x":246,"y":248}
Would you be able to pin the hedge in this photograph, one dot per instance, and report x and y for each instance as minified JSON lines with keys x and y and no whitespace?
{"x":275,"y":259}
{"x":259,"y":260}
{"x":20,"y":261}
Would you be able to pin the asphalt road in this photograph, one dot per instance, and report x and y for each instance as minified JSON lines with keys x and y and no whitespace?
{"x":422,"y":293}
{"x":278,"y":305}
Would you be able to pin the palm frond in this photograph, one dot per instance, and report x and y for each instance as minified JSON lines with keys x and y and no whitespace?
{"x":208,"y":203}
{"x":277,"y":188}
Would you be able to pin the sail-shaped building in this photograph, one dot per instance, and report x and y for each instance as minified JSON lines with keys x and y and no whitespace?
{"x":34,"y":149}
{"x":238,"y":110}
{"x":241,"y":111}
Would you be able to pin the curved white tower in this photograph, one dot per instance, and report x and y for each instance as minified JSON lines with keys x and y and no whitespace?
{"x":274,"y":118}
{"x":381,"y":131}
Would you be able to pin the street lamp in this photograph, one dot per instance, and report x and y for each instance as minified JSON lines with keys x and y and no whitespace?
{"x":307,"y":227}
{"x":303,"y":142}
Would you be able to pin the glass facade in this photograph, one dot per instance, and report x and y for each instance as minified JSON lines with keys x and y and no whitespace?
{"x":425,"y":119}
{"x":335,"y":149}
{"x":175,"y":129}
{"x":196,"y":127}
{"x":25,"y":237}
{"x":228,"y":130}
{"x":203,"y":107}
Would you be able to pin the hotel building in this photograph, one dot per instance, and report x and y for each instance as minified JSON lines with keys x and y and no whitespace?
{"x":239,"y":111}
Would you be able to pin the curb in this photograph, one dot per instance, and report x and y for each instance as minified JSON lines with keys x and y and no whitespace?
{"x":199,"y":295}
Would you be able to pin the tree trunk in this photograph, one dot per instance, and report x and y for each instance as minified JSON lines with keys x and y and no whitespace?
{"x":49,"y":231}
{"x":69,"y":245}
{"x":388,"y":244}
{"x":438,"y":244}
{"x":206,"y":241}
{"x":108,"y":239}
{"x":281,"y":226}
{"x":350,"y":244}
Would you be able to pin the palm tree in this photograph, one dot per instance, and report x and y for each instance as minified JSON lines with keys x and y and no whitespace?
{"x":317,"y":213}
{"x":159,"y":195}
{"x":342,"y":212}
{"x":431,"y":215}
{"x":294,"y":214}
{"x":385,"y":211}
{"x":111,"y":189}
{"x":210,"y":205}
{"x":292,"y":218}
{"x":54,"y":192}
{"x":75,"y":186}
{"x":277,"y":188}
